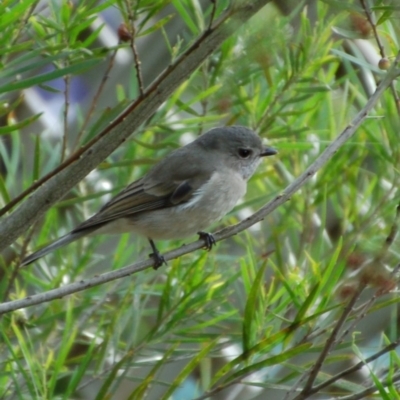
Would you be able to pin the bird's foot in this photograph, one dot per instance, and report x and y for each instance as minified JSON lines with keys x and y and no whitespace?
{"x":209,"y":240}
{"x":158,"y":258}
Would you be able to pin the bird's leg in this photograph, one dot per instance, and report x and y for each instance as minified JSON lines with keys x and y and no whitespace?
{"x":208,"y":238}
{"x":159,"y":259}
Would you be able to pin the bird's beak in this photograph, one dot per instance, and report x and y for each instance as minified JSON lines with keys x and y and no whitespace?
{"x":268,"y":151}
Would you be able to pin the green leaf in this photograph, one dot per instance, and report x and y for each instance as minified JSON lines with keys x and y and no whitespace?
{"x":18,"y":125}
{"x":269,"y":361}
{"x":384,"y":17}
{"x":3,"y":191}
{"x":254,"y":305}
{"x":155,"y":27}
{"x":58,"y":73}
{"x":11,"y":15}
{"x":188,"y":368}
{"x":36,"y":159}
{"x":143,"y":387}
{"x":184,"y":14}
{"x":309,"y":301}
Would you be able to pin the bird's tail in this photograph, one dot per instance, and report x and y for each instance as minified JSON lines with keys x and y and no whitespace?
{"x":64,"y":240}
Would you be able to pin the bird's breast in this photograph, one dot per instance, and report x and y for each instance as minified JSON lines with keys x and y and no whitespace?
{"x":209,"y":203}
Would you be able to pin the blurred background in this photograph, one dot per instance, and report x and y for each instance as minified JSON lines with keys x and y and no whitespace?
{"x":250,"y":318}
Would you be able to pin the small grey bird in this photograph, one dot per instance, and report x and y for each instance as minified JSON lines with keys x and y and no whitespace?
{"x":183,"y":194}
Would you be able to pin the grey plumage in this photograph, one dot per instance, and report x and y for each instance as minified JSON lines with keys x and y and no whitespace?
{"x":184,"y":193}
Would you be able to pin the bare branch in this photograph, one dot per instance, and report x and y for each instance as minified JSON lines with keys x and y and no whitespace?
{"x":132,"y":44}
{"x":370,"y":18}
{"x":371,"y":21}
{"x":355,"y":367}
{"x":371,"y":389}
{"x":96,"y":96}
{"x":332,"y":340}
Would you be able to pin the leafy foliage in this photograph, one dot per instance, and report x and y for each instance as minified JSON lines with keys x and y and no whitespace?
{"x":259,"y":311}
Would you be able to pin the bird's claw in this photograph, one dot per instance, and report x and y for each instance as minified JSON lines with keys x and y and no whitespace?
{"x":209,"y":240}
{"x":158,"y":258}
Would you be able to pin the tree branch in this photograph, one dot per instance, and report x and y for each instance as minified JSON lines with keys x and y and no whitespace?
{"x":390,"y":347}
{"x":326,"y":155}
{"x":87,"y":158}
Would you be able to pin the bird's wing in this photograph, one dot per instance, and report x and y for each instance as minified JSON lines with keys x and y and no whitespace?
{"x":143,"y":195}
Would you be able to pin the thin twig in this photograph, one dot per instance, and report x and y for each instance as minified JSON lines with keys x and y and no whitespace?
{"x":326,"y":155}
{"x":372,"y":216}
{"x":308,"y":338}
{"x":373,"y":26}
{"x":137,"y":64}
{"x":96,"y":96}
{"x":360,"y":312}
{"x":334,"y":339}
{"x":214,"y":9}
{"x":371,"y":389}
{"x":67,"y":81}
{"x":330,"y":343}
{"x":218,"y":389}
{"x":355,"y":367}
{"x":16,"y":268}
{"x":393,"y":231}
{"x":22,"y":24}
{"x":276,"y":100}
{"x":371,"y":21}
{"x":132,"y":44}
{"x":377,"y":261}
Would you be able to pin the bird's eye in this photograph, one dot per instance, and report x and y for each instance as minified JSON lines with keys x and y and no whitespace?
{"x":244,"y":153}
